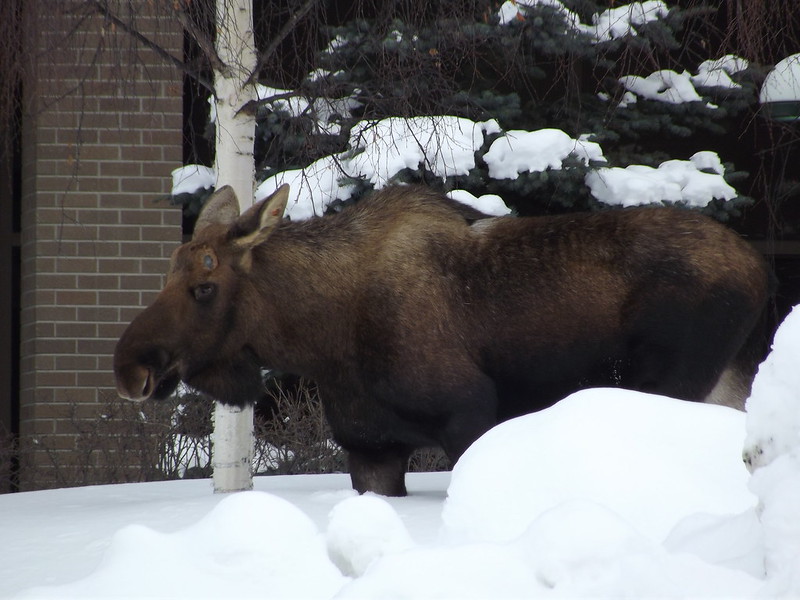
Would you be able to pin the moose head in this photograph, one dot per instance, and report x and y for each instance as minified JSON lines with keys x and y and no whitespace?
{"x":192,"y":329}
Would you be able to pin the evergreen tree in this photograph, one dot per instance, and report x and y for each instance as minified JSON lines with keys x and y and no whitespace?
{"x":528,"y":65}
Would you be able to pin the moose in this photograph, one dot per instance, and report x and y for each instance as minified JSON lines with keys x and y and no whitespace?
{"x":425,"y":323}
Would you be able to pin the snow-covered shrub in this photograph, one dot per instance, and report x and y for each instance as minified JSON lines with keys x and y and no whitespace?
{"x":384,"y":95}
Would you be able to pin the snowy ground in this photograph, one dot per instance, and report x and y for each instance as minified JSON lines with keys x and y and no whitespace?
{"x":609,"y":493}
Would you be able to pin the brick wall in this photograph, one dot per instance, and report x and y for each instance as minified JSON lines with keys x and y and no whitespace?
{"x":102,"y":135}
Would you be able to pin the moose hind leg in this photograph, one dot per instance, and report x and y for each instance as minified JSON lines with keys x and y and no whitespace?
{"x":380,"y":471}
{"x":734,"y":385}
{"x":731,"y":390}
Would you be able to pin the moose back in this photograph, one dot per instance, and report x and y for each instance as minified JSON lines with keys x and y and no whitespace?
{"x":424,"y":323}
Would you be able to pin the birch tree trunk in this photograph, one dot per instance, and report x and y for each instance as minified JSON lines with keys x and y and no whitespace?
{"x":232,"y":448}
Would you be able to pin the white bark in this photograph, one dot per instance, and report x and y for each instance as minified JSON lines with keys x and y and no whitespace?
{"x":232,"y":449}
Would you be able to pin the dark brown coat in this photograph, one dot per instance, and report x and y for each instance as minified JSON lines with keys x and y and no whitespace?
{"x":425,"y":324}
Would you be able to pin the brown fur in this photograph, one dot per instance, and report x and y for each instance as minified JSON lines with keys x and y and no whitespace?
{"x":425,"y":324}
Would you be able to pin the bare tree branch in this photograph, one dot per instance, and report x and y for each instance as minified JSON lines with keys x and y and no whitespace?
{"x":204,"y":41}
{"x":103,"y":9}
{"x":287,"y":28}
{"x":251,"y":107}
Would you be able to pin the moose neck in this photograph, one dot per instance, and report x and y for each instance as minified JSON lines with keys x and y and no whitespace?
{"x":304,"y":283}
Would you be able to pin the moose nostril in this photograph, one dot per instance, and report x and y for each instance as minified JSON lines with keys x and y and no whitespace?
{"x":147,"y":385}
{"x":133,"y":383}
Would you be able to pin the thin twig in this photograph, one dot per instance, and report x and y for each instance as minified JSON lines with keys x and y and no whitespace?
{"x":203,"y":40}
{"x":276,"y":41}
{"x":103,"y":9}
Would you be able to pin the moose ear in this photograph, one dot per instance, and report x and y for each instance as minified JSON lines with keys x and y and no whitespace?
{"x":258,"y":221}
{"x":222,"y":208}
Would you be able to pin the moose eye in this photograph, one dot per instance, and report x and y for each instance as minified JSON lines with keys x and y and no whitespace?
{"x":204,"y":292}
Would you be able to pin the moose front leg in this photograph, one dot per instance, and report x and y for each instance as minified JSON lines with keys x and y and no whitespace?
{"x":381,"y":471}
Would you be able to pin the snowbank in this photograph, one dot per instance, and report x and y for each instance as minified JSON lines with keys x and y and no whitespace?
{"x":251,"y":544}
{"x":772,"y":450}
{"x":773,"y":409}
{"x":575,"y":500}
{"x":616,"y":448}
{"x":363,"y":529}
{"x":607,"y":494}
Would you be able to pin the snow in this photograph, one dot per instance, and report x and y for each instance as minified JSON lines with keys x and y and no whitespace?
{"x":778,"y":489}
{"x":192,"y":178}
{"x":363,"y":529}
{"x":325,"y":110}
{"x":730,"y":63}
{"x":379,"y":150}
{"x":772,"y":451}
{"x":672,"y":87}
{"x":220,"y":548}
{"x":490,"y":204}
{"x":707,"y":161}
{"x":608,"y":25}
{"x":782,"y":82}
{"x":609,"y":493}
{"x":509,"y":12}
{"x":664,"y":85}
{"x":623,"y":20}
{"x":716,"y":73}
{"x":773,"y":423}
{"x":445,"y":145}
{"x":674,"y":181}
{"x":522,"y":151}
{"x":628,"y":472}
{"x":312,"y":188}
{"x":714,"y":78}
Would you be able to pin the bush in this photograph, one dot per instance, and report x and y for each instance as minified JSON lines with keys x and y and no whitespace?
{"x":118,"y":441}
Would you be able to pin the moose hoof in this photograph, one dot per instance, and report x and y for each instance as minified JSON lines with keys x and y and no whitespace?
{"x":378,"y":473}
